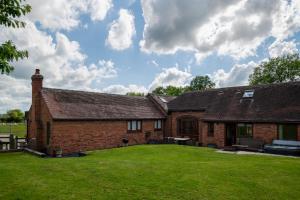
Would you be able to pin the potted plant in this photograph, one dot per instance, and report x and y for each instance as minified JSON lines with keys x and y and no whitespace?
{"x":58,"y":152}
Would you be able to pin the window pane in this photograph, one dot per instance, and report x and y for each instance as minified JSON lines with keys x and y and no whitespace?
{"x":249,"y":129}
{"x":129,"y":125}
{"x":210,"y":129}
{"x":138,"y":125}
{"x":287,"y":132}
{"x":159,"y":124}
{"x":187,"y":126}
{"x":133,"y":125}
{"x":244,"y":130}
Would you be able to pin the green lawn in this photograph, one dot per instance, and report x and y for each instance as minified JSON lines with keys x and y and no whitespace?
{"x":18,"y":129}
{"x":150,"y":172}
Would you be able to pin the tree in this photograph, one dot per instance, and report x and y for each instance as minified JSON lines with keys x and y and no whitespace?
{"x":277,"y":70}
{"x":200,"y":83}
{"x":10,"y":10}
{"x":15,"y":115}
{"x":169,"y":90}
{"x":174,"y":91}
{"x":159,"y":91}
{"x":3,"y":118}
{"x":135,"y":94}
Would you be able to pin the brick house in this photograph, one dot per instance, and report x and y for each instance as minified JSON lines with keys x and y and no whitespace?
{"x":221,"y":116}
{"x":76,"y":121}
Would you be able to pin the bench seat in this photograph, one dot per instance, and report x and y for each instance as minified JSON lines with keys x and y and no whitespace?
{"x":286,"y":147}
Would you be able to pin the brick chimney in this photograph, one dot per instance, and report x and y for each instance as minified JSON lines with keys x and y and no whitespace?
{"x":37,"y":84}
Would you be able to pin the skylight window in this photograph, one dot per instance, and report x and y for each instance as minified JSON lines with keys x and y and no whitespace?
{"x":248,"y":94}
{"x":220,"y":92}
{"x":163,"y":100}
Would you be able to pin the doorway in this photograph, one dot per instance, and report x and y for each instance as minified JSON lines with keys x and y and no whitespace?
{"x":230,"y":138}
{"x":187,"y":126}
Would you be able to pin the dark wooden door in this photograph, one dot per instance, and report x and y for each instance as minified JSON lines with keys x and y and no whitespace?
{"x":230,"y":138}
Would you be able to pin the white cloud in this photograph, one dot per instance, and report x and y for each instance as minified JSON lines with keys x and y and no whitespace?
{"x":61,"y":62}
{"x":121,"y":31}
{"x":201,"y":56}
{"x":15,"y":93}
{"x":228,"y":27}
{"x":168,"y":76}
{"x":238,"y":75}
{"x":171,"y":76}
{"x":279,"y":48}
{"x":64,"y":14}
{"x":98,"y":9}
{"x":121,"y":89}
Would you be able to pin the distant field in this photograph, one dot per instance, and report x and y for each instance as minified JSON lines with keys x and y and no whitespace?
{"x":16,"y":129}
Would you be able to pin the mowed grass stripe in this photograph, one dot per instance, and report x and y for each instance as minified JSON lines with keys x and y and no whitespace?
{"x":150,"y":172}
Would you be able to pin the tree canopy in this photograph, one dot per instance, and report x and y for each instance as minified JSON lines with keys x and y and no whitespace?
{"x":169,"y":90}
{"x":277,"y":70}
{"x":198,"y":83}
{"x":135,"y":94}
{"x":10,"y":11}
{"x":15,"y":115}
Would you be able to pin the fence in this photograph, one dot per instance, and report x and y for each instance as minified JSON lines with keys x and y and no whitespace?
{"x":11,"y":142}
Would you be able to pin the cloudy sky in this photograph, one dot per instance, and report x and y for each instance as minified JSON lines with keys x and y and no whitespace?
{"x":136,"y":45}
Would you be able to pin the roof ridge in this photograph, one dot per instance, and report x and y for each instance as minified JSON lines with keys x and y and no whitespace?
{"x":93,"y":92}
{"x":245,"y":86}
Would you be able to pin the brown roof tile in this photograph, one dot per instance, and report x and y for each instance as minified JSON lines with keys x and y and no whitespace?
{"x":162,"y":101}
{"x":79,"y":105}
{"x":270,"y":103}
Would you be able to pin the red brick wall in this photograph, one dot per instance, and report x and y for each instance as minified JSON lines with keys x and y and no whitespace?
{"x":219,"y":135}
{"x":83,"y":136}
{"x":34,"y":119}
{"x":45,"y":117}
{"x":265,"y":132}
{"x":37,"y":126}
{"x":262,"y":131}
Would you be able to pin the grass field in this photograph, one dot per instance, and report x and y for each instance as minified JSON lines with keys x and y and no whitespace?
{"x":150,"y":172}
{"x":18,"y":129}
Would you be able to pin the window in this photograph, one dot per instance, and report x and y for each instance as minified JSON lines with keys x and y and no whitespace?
{"x":48,"y":132}
{"x":244,"y":130}
{"x":287,"y":132}
{"x":210,"y":131}
{"x":134,"y":126}
{"x":187,"y":126}
{"x":158,"y":124}
{"x":248,"y":93}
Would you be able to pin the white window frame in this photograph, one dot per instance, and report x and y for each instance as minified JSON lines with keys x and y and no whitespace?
{"x":158,"y":124}
{"x":134,"y":126}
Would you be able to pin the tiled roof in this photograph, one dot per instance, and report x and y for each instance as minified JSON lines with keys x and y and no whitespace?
{"x":162,"y":101}
{"x":270,"y":103}
{"x":79,"y":105}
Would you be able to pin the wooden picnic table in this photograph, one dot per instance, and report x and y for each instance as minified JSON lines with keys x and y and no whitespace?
{"x":181,"y":141}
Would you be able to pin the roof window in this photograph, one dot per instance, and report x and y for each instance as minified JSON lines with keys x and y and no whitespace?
{"x":163,"y":100}
{"x":248,"y":94}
